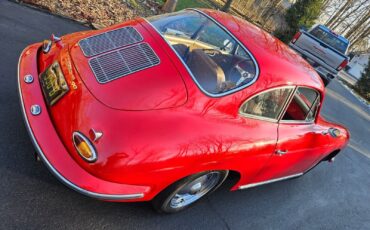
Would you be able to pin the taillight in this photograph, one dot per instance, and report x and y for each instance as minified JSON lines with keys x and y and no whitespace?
{"x":296,"y":36}
{"x":342,"y":65}
{"x":84,"y":147}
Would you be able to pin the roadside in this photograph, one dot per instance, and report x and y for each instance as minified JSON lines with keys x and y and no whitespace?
{"x":341,"y":106}
{"x":97,"y":13}
{"x":349,"y":83}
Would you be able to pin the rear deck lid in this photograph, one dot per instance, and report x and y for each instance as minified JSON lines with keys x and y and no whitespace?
{"x":126,"y":69}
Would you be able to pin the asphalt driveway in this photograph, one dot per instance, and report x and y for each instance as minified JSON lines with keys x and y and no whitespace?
{"x":332,"y":196}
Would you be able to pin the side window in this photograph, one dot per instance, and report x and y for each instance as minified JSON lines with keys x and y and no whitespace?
{"x":267,"y":104}
{"x":303,"y":106}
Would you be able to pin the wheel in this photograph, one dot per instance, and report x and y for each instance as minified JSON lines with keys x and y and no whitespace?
{"x":185,"y":192}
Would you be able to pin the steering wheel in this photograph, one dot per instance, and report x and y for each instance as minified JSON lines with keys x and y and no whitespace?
{"x":237,"y":70}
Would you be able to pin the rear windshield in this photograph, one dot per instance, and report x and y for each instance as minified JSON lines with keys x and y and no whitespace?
{"x":330,"y":39}
{"x":218,"y":63}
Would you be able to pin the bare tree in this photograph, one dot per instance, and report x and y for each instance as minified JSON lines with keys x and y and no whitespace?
{"x":339,"y":12}
{"x":364,"y":20}
{"x":347,"y":14}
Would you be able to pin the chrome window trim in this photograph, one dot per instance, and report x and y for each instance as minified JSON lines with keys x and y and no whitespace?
{"x":269,"y":181}
{"x":300,"y":121}
{"x":192,"y":75}
{"x":295,"y":122}
{"x":54,"y":171}
{"x":262,"y":92}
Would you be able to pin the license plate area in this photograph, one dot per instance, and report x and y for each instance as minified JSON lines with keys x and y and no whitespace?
{"x":53,"y":83}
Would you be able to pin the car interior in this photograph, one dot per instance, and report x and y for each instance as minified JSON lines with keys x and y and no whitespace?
{"x":215,"y":70}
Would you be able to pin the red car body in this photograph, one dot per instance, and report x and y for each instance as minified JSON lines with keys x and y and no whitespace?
{"x":159,"y":127}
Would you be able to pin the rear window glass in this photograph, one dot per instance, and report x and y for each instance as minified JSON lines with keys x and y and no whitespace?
{"x":218,"y":63}
{"x":330,"y":39}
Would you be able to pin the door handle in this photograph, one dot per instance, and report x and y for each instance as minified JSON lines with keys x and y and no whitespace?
{"x":281,"y":152}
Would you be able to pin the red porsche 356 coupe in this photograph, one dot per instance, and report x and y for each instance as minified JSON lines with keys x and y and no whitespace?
{"x":164,"y":108}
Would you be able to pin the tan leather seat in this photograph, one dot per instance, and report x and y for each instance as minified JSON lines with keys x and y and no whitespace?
{"x":208,"y":74}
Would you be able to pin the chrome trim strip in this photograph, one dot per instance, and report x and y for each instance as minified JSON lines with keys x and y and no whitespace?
{"x":55,"y":172}
{"x":191,"y":74}
{"x":269,"y":181}
{"x":291,"y":99}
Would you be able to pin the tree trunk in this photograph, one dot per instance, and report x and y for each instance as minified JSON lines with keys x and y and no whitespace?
{"x":169,"y":6}
{"x":270,"y":12}
{"x":359,"y":38}
{"x":358,"y":24}
{"x":227,"y":6}
{"x":339,"y":13}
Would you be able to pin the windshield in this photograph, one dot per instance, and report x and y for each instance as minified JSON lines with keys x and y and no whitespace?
{"x":218,"y":63}
{"x":330,"y":39}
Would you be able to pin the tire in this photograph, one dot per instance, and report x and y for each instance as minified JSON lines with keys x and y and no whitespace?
{"x":187,"y":191}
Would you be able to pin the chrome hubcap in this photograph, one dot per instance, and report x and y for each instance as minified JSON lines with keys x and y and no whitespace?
{"x":194,"y":190}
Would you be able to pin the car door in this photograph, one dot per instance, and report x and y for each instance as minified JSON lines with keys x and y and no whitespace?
{"x":260,"y":128}
{"x":301,"y":141}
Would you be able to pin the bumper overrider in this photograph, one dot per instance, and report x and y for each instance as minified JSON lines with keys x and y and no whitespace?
{"x":51,"y":149}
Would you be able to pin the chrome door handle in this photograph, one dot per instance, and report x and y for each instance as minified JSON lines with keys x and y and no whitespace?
{"x":281,"y":152}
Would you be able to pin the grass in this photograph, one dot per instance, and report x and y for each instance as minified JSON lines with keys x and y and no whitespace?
{"x":183,"y":4}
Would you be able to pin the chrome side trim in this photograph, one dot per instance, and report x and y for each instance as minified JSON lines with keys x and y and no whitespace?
{"x":55,"y":172}
{"x":270,"y":181}
{"x":192,"y":75}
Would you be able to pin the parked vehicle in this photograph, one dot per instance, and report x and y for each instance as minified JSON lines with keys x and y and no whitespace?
{"x":165,"y":108}
{"x":323,"y":49}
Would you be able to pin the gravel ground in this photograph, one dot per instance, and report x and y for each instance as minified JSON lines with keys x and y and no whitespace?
{"x":99,"y":13}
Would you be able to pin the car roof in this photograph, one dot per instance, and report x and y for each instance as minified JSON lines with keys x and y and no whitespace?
{"x":279,"y":65}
